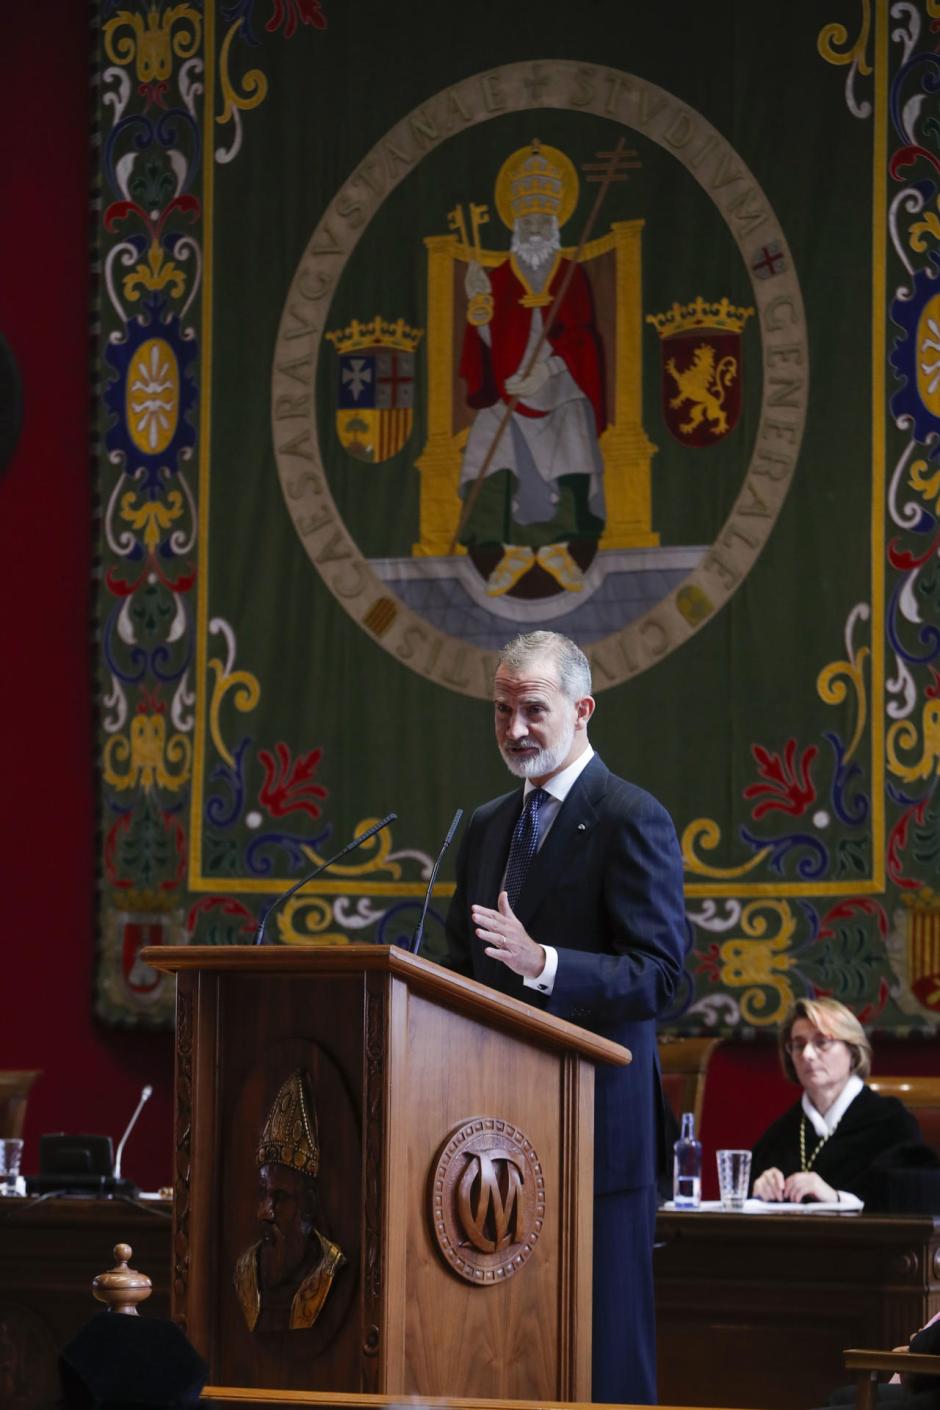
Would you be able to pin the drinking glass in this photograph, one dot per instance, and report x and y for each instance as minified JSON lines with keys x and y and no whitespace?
{"x":11,"y":1154}
{"x":734,"y":1176}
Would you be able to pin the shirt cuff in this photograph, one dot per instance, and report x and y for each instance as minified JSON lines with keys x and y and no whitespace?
{"x":545,"y":982}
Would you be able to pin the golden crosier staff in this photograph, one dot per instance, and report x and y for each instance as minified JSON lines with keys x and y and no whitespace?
{"x":612,"y":167}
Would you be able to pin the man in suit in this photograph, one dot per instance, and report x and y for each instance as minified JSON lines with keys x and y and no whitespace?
{"x":581,"y":910}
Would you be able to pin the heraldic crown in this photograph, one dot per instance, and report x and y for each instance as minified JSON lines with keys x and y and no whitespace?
{"x":377,"y":334}
{"x":685,"y":318}
{"x":290,"y":1135}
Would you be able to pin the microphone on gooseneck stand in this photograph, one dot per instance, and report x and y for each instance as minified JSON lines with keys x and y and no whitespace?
{"x":145,"y":1094}
{"x":350,"y":846}
{"x":419,"y":933}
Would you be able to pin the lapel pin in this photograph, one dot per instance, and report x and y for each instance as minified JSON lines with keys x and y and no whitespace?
{"x":582,"y":827}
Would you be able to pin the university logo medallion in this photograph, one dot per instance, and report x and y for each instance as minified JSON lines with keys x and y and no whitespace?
{"x":487,"y":1200}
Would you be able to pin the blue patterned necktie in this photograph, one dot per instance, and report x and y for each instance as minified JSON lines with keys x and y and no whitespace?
{"x":524,"y":844}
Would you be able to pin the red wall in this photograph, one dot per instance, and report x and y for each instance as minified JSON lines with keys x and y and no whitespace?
{"x":91,"y":1077}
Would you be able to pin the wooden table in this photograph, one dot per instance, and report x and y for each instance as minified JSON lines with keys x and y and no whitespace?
{"x":754,"y":1310}
{"x":757,"y":1309}
{"x":50,"y":1251}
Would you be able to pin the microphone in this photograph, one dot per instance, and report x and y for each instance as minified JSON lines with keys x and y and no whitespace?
{"x":419,"y":933}
{"x":286,"y":895}
{"x":145,"y":1094}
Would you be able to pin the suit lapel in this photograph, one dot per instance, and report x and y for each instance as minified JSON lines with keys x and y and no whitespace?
{"x":563,"y":848}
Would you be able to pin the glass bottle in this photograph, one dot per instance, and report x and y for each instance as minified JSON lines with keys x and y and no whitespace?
{"x":687,"y":1166}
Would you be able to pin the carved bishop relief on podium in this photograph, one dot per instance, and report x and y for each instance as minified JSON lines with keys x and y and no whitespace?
{"x":487,"y":1200}
{"x":284,"y":1279}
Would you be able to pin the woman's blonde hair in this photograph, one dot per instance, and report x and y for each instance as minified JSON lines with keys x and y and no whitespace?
{"x":833,"y":1020}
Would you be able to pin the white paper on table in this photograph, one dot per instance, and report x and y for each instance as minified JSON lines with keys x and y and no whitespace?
{"x":760,"y":1206}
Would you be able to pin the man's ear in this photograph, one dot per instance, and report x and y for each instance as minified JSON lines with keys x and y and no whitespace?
{"x":585,"y":709}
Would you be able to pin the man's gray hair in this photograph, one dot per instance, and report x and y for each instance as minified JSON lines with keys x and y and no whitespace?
{"x":574,"y":669}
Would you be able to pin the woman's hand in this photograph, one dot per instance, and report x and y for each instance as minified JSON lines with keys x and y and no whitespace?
{"x":806,"y":1184}
{"x":770,"y":1186}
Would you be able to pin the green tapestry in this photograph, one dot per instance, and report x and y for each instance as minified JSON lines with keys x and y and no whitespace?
{"x":323,"y":226}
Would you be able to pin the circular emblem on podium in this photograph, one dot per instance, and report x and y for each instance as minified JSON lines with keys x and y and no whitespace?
{"x":487,"y":1200}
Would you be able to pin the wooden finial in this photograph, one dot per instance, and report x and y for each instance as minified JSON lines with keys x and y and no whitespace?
{"x":122,"y":1287}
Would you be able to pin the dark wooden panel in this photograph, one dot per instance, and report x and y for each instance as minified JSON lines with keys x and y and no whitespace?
{"x":269,"y":1027}
{"x":49,"y":1254}
{"x":757,"y":1309}
{"x":460,"y":1339}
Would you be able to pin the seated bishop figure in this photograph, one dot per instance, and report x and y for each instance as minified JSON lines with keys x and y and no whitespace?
{"x":541,"y":500}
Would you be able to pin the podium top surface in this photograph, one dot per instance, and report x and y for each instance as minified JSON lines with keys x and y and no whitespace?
{"x":423,"y":976}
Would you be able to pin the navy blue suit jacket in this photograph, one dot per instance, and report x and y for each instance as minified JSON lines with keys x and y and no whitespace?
{"x":606,"y":891}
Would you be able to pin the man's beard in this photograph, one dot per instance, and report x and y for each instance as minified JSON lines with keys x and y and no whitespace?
{"x":283,"y":1256}
{"x":536,"y":250}
{"x":542,"y":761}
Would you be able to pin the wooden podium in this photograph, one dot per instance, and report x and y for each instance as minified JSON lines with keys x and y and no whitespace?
{"x":454,"y":1135}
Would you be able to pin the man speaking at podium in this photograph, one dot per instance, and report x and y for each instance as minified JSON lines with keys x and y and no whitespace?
{"x":569,"y":894}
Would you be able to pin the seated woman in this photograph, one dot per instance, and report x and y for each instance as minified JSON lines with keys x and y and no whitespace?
{"x":834,"y":1143}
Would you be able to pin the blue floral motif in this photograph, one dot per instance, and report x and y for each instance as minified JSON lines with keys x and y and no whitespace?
{"x":852,"y":810}
{"x":907,"y":407}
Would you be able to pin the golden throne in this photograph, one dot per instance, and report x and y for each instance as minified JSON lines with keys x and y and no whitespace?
{"x":613,"y":265}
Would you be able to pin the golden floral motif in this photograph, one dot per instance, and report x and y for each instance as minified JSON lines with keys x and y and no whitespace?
{"x":832,"y":688}
{"x":705,"y":833}
{"x":381,"y":844}
{"x":834,"y":34}
{"x":246,"y":692}
{"x":903,"y":735}
{"x":155,"y":274}
{"x":303,"y":921}
{"x":920,"y":229}
{"x":254,"y":84}
{"x":152,"y":40}
{"x":758,"y":962}
{"x":152,"y":516}
{"x":920,"y":480}
{"x":148,"y":758}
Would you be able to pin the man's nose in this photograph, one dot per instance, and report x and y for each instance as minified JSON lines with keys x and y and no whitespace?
{"x":517,"y":727}
{"x":265,"y":1209}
